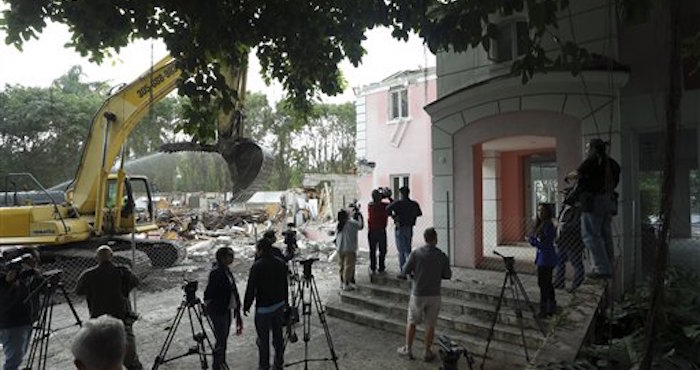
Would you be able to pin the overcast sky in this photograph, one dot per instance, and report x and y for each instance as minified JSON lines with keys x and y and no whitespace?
{"x":43,"y":60}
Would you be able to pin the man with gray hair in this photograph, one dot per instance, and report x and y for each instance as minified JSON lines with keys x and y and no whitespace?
{"x":100,"y":344}
{"x":106,"y":288}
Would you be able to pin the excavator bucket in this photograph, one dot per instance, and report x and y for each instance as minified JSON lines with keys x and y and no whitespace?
{"x":250,"y":166}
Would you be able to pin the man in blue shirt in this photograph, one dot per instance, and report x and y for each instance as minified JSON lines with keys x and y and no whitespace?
{"x":404,"y":212}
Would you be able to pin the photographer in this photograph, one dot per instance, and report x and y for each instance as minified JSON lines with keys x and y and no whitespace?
{"x":376,"y":222}
{"x":15,"y":313}
{"x":106,"y":289}
{"x":404,"y":212}
{"x":221,"y":297}
{"x":267,"y":285}
{"x":346,"y":242}
{"x":289,"y":240}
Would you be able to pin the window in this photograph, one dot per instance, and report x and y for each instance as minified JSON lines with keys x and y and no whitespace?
{"x":398,"y":103}
{"x":397,"y":182}
{"x":510,"y":41}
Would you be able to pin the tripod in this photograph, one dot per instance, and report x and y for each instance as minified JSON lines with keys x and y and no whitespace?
{"x":42,"y":331}
{"x":193,"y":306}
{"x":307,"y":294}
{"x":512,"y":281}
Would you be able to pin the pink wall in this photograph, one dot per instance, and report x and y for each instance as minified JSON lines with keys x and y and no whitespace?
{"x":412,"y":156}
{"x":512,"y":183}
{"x":467,"y":176}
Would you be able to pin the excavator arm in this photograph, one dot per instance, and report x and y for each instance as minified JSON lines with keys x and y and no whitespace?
{"x":110,"y":128}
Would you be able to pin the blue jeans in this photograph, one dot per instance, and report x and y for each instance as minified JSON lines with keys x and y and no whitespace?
{"x":264,"y":324}
{"x":222,"y":326}
{"x":597,"y":235}
{"x":403,"y":235}
{"x":15,"y":342}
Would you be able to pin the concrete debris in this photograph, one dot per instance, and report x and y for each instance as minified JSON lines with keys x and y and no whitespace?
{"x":202,"y":232}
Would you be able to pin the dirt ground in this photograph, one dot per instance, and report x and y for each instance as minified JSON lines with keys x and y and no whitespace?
{"x":357,"y":347}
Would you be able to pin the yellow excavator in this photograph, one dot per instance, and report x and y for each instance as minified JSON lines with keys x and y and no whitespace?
{"x":98,"y":206}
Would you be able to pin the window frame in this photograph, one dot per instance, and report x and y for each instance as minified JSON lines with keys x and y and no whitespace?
{"x":404,"y":179}
{"x":401,"y":91}
{"x":512,"y":26}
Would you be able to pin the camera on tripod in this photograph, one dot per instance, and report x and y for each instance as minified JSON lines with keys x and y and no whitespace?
{"x":307,"y":263}
{"x":16,"y":264}
{"x":384,"y":192}
{"x":450,"y":353}
{"x":190,"y":289}
{"x":509,"y":261}
{"x":290,"y":240}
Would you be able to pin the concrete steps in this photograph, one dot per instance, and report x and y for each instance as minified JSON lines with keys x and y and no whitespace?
{"x":453,"y":314}
{"x":466,"y":314}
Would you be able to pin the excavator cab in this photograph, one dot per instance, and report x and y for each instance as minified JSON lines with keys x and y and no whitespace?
{"x":128,"y":205}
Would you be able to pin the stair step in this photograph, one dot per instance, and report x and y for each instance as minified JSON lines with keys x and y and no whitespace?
{"x":465,"y":290}
{"x":501,"y":355}
{"x":461,"y":322}
{"x":477,"y":308}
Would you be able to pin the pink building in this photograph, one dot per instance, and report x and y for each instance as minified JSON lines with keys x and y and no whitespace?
{"x":393,"y":142}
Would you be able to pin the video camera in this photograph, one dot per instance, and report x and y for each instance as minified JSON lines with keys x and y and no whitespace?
{"x":509,"y":261}
{"x":290,"y":240}
{"x":16,"y":264}
{"x":190,"y":289}
{"x":384,"y":192}
{"x":307,"y":266}
{"x":450,"y":353}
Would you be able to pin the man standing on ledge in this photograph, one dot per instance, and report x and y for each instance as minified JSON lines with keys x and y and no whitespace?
{"x":404,"y":212}
{"x":598,"y":177}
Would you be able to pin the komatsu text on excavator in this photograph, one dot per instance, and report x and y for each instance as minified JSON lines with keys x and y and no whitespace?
{"x":98,"y":206}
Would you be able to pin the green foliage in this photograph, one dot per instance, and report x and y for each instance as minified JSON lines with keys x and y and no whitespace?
{"x":678,"y":338}
{"x":157,"y":127}
{"x":650,"y":194}
{"x":43,"y":130}
{"x":299,"y":44}
{"x":321,"y":141}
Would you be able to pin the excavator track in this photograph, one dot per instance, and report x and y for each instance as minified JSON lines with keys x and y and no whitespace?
{"x":162,"y":253}
{"x":73,"y":261}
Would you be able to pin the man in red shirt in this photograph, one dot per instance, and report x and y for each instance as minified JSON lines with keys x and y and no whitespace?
{"x":377,"y":231}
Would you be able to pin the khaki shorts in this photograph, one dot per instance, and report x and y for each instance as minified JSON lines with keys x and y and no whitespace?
{"x":422,"y":309}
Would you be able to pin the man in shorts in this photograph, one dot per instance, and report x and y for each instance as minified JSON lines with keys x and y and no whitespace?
{"x":428,"y":265}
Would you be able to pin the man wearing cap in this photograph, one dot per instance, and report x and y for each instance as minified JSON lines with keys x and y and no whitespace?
{"x":106,"y":288}
{"x":598,"y":177}
{"x":404,"y":211}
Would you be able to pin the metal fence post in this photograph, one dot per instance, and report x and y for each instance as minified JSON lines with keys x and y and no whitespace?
{"x":449,"y":238}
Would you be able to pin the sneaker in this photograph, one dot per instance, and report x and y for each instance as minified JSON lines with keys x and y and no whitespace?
{"x":429,"y":356}
{"x":381,"y":273}
{"x":371,"y":272}
{"x":348,"y":288}
{"x":401,"y":277}
{"x":404,"y":351}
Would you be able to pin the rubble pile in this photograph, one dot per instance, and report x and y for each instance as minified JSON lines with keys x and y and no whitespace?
{"x":214,"y":220}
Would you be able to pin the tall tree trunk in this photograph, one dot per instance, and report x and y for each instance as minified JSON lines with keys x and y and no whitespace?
{"x":655,"y":315}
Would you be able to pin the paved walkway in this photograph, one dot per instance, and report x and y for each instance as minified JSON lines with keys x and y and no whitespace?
{"x":358,"y":347}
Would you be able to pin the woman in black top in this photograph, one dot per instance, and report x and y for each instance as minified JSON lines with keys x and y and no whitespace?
{"x":221,"y":298}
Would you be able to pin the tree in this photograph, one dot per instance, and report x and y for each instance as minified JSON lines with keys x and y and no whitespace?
{"x":301,"y":43}
{"x":43,"y":130}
